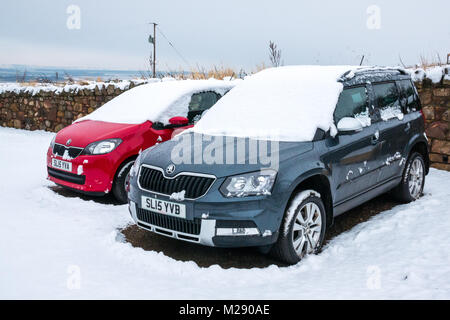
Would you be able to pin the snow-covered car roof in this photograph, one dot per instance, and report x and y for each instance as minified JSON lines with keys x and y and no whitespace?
{"x":157,"y":102}
{"x":284,"y":104}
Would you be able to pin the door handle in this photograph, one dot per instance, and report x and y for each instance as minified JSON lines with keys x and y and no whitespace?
{"x":376,"y":137}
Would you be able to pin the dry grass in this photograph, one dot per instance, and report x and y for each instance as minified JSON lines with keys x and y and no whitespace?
{"x":36,"y":83}
{"x":216,"y":72}
{"x":260,"y":67}
{"x":219,"y":72}
{"x":427,"y":62}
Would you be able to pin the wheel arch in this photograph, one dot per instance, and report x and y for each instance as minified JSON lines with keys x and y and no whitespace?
{"x":317,"y":181}
{"x":421,"y":146}
{"x":122,"y":163}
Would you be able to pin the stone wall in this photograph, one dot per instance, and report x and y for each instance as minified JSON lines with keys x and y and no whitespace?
{"x":435,"y":98}
{"x":53,"y":109}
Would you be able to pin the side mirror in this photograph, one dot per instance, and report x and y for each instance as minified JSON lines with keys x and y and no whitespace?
{"x":349,"y":125}
{"x":179,"y":121}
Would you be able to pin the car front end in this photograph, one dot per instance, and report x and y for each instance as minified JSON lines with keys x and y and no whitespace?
{"x":84,"y":156}
{"x":215,"y":205}
{"x":76,"y":168}
{"x":203,"y":215}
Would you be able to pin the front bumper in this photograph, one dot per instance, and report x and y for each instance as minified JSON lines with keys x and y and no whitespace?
{"x":90,"y":174}
{"x":213,"y":231}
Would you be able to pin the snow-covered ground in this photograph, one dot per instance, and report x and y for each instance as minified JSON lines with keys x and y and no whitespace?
{"x":57,"y":247}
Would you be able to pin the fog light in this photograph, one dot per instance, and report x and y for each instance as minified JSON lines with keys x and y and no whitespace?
{"x":237,"y":232}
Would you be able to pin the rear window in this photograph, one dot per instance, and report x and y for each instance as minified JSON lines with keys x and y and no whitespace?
{"x":352,"y":102}
{"x":387,"y":100}
{"x":410,"y":100}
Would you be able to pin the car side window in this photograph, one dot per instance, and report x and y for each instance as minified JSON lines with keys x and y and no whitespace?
{"x":410,"y":100}
{"x":387,"y":100}
{"x":200,"y":102}
{"x":353,"y":102}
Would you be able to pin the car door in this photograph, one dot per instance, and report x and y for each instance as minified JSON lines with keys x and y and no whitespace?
{"x":353,"y":157}
{"x":394,"y":128}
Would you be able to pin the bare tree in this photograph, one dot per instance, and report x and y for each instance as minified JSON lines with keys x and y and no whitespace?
{"x":274,"y":54}
{"x":21,"y":77}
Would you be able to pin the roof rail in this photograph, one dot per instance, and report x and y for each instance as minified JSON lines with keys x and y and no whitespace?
{"x":351,"y":73}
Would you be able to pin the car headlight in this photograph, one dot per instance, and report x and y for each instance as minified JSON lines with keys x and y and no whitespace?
{"x":103,"y":146}
{"x":249,"y":184}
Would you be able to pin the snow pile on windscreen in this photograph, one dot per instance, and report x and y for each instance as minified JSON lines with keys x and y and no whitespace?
{"x":284,"y":104}
{"x":157,"y":102}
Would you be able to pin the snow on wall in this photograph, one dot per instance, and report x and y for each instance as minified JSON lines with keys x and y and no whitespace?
{"x":435,"y":74}
{"x":92,"y":85}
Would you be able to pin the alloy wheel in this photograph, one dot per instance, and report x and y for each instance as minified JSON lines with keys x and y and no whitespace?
{"x":415,"y":178}
{"x":307,"y":229}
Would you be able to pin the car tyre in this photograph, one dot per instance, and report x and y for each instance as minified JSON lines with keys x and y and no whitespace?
{"x":303,"y":228}
{"x":120,"y":182}
{"x":413,"y":179}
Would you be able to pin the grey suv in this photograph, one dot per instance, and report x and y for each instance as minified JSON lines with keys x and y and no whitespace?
{"x":375,"y":143}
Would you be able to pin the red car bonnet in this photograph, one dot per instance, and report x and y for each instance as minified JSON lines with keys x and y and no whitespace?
{"x":85,"y":132}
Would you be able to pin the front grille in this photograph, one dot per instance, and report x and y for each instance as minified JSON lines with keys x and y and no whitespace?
{"x":72,"y":152}
{"x":168,"y":222}
{"x":154,"y":180}
{"x":66,"y":176}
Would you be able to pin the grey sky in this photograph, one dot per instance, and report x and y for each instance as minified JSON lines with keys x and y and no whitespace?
{"x":232,"y":33}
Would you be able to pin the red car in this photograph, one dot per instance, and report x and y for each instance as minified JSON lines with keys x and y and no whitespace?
{"x":95,"y":154}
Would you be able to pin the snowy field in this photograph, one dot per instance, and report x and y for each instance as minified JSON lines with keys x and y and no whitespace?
{"x":69,"y":248}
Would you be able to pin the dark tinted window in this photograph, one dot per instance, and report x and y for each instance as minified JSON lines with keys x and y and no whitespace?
{"x":352,"y":101}
{"x":201,"y":102}
{"x":409,"y":97}
{"x":386,"y":96}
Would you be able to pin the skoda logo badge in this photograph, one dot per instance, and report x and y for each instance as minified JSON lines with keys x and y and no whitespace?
{"x":68,"y":142}
{"x":170,"y":169}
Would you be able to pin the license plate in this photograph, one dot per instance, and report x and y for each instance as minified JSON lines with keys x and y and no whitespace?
{"x":164,"y":207}
{"x":62,"y":165}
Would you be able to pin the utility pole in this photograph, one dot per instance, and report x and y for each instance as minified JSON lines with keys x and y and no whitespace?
{"x":153,"y":41}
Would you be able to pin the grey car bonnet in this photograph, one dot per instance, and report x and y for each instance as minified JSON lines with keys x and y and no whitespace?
{"x":257,"y":154}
